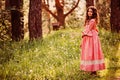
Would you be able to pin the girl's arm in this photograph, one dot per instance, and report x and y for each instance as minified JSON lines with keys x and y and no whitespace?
{"x":89,"y":27}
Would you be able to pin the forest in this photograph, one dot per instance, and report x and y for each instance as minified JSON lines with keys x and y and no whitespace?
{"x":40,"y":39}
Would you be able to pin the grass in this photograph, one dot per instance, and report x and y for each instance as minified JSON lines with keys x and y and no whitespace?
{"x":56,"y":57}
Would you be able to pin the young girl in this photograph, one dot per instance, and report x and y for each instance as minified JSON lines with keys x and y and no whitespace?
{"x":92,"y":58}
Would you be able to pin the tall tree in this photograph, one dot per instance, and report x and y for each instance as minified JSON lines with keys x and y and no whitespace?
{"x":89,"y":3}
{"x":16,"y":7}
{"x":60,"y":16}
{"x":115,"y":16}
{"x":35,"y":19}
{"x":0,"y":4}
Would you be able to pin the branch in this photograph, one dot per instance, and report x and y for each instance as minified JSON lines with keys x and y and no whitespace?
{"x":72,"y":8}
{"x":47,"y":9}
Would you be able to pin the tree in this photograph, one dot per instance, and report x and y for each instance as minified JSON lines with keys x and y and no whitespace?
{"x":60,"y":16}
{"x":89,"y":3}
{"x":0,"y":4}
{"x":35,"y":19}
{"x":115,"y":16}
{"x":16,"y":7}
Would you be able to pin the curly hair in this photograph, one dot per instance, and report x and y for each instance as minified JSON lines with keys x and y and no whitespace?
{"x":94,"y":15}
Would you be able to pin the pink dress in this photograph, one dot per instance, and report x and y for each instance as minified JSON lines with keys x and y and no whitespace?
{"x":92,"y":58}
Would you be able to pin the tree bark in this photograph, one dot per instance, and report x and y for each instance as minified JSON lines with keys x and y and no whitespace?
{"x":115,"y":16}
{"x":89,"y":3}
{"x":0,"y":4}
{"x":35,"y":19}
{"x":17,"y":23}
{"x":60,"y":12}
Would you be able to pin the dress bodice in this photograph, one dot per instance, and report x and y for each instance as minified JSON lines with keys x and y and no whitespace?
{"x":90,"y":28}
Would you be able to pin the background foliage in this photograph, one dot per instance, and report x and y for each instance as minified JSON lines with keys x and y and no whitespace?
{"x":5,"y":26}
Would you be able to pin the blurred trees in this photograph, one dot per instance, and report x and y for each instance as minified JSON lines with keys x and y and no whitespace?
{"x":35,"y":19}
{"x":60,"y":16}
{"x":89,"y":3}
{"x":109,"y":14}
{"x":0,"y":4}
{"x":104,"y":13}
{"x":5,"y":29}
{"x":115,"y":16}
{"x":16,"y":6}
{"x":11,"y":19}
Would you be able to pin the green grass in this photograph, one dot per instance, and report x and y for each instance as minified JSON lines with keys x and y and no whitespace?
{"x":56,"y":57}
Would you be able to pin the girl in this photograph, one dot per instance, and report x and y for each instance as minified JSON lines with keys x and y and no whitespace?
{"x":92,"y":58}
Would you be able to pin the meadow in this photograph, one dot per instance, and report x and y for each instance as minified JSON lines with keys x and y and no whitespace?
{"x":57,"y":57}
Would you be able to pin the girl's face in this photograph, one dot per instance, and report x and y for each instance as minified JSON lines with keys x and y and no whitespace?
{"x":90,"y":12}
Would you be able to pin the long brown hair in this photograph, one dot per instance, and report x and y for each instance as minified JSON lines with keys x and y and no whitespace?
{"x":94,"y":15}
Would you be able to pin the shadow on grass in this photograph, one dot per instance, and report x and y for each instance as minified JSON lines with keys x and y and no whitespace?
{"x":9,"y":49}
{"x":6,"y":53}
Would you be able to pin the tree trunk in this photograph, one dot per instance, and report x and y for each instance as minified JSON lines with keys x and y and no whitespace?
{"x":0,"y":4}
{"x":89,"y":3}
{"x":16,"y":19}
{"x":60,"y":13}
{"x":7,"y":4}
{"x":115,"y":16}
{"x":17,"y":25}
{"x":35,"y":19}
{"x":61,"y":17}
{"x":61,"y":20}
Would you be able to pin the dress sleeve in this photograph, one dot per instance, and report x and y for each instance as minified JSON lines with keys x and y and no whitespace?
{"x":88,"y":28}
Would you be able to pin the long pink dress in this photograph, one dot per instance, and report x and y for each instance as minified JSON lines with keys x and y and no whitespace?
{"x":92,"y":58}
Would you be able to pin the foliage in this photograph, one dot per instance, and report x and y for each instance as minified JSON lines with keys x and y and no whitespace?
{"x":5,"y":33}
{"x":104,"y":13}
{"x":74,"y":21}
{"x":56,"y":57}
